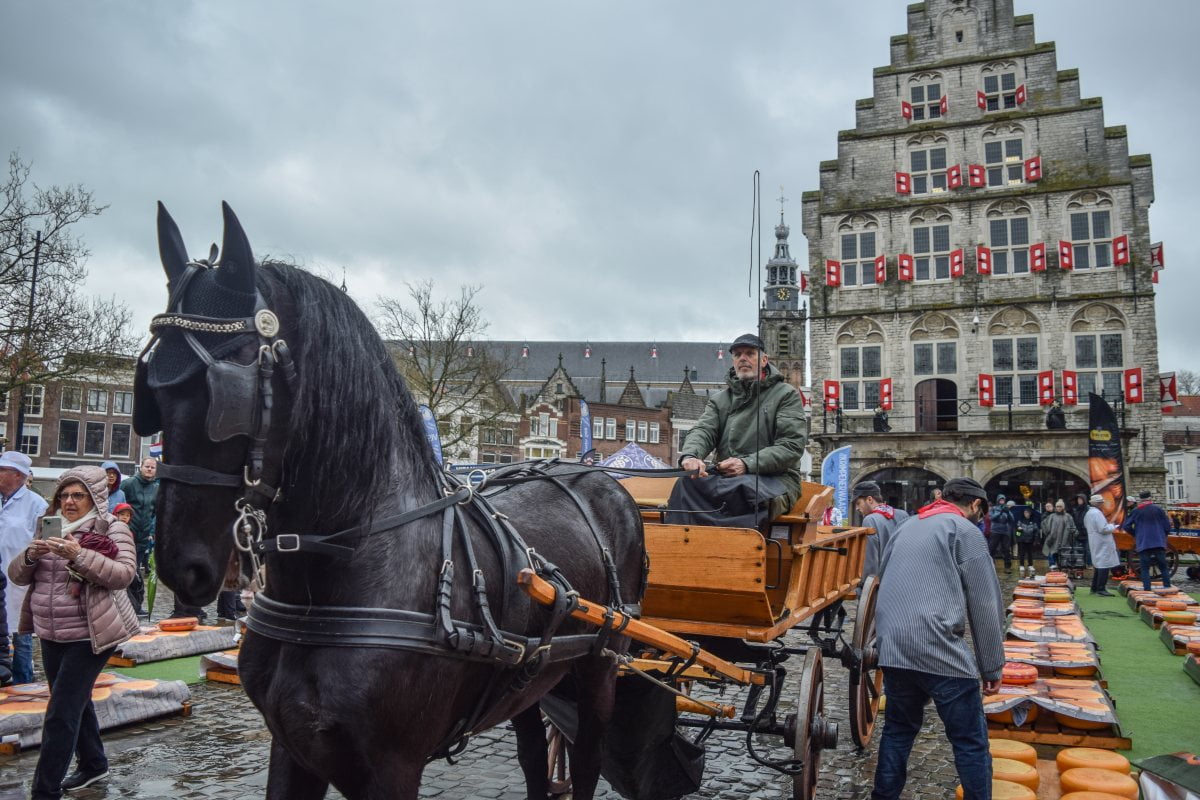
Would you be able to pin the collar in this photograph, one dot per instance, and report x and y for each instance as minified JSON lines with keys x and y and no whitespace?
{"x":940,"y":507}
{"x":884,"y":510}
{"x":16,"y":494}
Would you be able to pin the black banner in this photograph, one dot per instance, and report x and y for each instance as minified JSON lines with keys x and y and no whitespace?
{"x":1106,"y":467}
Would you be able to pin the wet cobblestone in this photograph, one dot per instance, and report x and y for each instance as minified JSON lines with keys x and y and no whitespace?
{"x":221,"y":751}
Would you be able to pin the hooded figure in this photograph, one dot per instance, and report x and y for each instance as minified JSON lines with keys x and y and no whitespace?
{"x":115,"y":495}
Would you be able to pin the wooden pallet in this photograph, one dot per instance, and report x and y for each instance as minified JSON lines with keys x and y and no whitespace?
{"x":1192,"y":667}
{"x":223,"y":676}
{"x":1047,"y":730}
{"x":185,"y":710}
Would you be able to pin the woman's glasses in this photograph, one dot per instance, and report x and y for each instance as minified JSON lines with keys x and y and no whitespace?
{"x":73,"y":496}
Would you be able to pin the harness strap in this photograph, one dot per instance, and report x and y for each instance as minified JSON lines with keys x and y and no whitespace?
{"x":197,"y":476}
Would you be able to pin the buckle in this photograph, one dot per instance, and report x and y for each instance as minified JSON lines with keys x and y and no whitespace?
{"x":287,"y":542}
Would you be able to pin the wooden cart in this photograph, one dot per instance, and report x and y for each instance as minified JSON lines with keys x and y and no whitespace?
{"x":720,"y":598}
{"x":1176,"y":545}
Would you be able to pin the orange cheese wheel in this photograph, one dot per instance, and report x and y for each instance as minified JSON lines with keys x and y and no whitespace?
{"x":1014,"y":750}
{"x":1029,"y":583}
{"x":1028,"y":612}
{"x":100,"y":694}
{"x":1179,"y":617}
{"x":1079,"y":671}
{"x":1069,"y":683}
{"x":1164,"y":590}
{"x":26,"y":707}
{"x":1194,"y":648}
{"x":1091,"y":779}
{"x":1078,"y":724}
{"x":1171,"y":605}
{"x":1074,"y":757}
{"x":1016,"y":674}
{"x":1091,"y":796}
{"x":178,"y":624}
{"x":1005,"y":790}
{"x":134,"y":686}
{"x":1006,"y":717}
{"x":1007,"y":769}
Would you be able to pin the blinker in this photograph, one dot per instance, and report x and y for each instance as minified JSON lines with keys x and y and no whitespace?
{"x":232,"y":400}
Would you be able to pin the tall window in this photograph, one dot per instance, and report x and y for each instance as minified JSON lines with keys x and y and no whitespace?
{"x":1015,"y":364}
{"x":598,"y":428}
{"x":926,"y":101}
{"x":1100,"y":363}
{"x":931,"y":252}
{"x":93,"y":439}
{"x":610,"y":428}
{"x":935,"y":358}
{"x":31,"y":440}
{"x":487,"y":435}
{"x":1091,"y":234}
{"x":1005,"y":162}
{"x":858,"y":259}
{"x":861,"y":369}
{"x":506,"y":436}
{"x":1010,"y":245}
{"x":33,"y":400}
{"x":1001,"y":91}
{"x":118,"y":446}
{"x":928,"y":170}
{"x":630,"y":430}
{"x":71,"y":398}
{"x":97,"y":401}
{"x":654,"y":433}
{"x":68,"y":436}
{"x":123,"y":404}
{"x":643,"y":430}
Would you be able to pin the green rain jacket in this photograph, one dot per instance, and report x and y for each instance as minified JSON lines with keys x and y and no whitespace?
{"x":772,"y":447}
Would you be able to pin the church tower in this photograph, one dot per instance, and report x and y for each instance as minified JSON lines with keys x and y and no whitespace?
{"x":781,"y":316}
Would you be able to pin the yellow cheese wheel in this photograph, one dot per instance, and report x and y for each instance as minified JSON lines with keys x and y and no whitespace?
{"x":1080,"y":724}
{"x":1074,"y":757}
{"x":1006,"y":717}
{"x":1091,"y":796}
{"x":1091,"y":779}
{"x":1179,"y":617}
{"x":1012,"y":749}
{"x":1081,"y":671}
{"x":1006,"y":769}
{"x":1004,"y":790}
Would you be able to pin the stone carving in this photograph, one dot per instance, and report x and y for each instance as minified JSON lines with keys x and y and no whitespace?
{"x":1097,"y":317}
{"x":859,"y":330}
{"x":1012,"y":320}
{"x":934,"y":325}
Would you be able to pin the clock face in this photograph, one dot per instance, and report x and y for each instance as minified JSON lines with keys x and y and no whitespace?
{"x":783,"y":294}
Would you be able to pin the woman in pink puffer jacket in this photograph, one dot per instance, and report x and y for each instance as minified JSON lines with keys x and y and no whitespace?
{"x":78,"y":607}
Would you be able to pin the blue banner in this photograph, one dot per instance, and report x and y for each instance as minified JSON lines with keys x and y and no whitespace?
{"x":585,"y":426}
{"x":431,"y":432}
{"x":835,"y":472}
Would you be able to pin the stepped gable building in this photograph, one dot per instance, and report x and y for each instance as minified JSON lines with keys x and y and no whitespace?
{"x":981,"y":247}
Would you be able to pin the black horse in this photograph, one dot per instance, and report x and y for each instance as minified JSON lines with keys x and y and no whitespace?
{"x":319,"y":441}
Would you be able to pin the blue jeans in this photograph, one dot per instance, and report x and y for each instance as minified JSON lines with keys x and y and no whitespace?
{"x":70,"y":726}
{"x":960,"y":706}
{"x":1159,"y":556}
{"x":22,"y":668}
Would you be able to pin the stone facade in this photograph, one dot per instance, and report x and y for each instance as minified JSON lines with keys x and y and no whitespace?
{"x":892,"y":192}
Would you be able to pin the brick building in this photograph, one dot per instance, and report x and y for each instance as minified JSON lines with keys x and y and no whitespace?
{"x":977,"y":222}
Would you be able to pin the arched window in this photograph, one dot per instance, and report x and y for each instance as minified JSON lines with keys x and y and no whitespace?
{"x":1016,"y":344}
{"x":1098,"y":343}
{"x":935,"y":345}
{"x":1000,"y":85}
{"x":1009,"y":237}
{"x":858,"y":236}
{"x":1089,"y":219}
{"x":931,"y":243}
{"x":927,"y":163}
{"x":1004,"y":154}
{"x":925,"y":94}
{"x":860,"y":363}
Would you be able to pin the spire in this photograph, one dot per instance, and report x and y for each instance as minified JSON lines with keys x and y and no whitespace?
{"x":632,"y":396}
{"x":686,"y":387}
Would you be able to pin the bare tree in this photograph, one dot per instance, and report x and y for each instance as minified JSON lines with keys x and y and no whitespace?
{"x":48,"y":329}
{"x":447,"y":367}
{"x":1187,"y":382}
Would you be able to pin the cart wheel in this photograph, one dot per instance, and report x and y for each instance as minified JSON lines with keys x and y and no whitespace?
{"x":866,"y":679}
{"x":559,"y":776}
{"x":813,"y":732}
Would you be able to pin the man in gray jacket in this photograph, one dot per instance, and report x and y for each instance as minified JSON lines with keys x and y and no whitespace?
{"x":880,"y":517}
{"x":936,"y":579}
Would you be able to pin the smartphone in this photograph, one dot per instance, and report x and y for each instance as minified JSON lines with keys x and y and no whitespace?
{"x":51,"y":526}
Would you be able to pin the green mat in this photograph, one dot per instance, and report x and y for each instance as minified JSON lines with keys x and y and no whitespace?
{"x":1157,"y":703}
{"x":176,"y":669}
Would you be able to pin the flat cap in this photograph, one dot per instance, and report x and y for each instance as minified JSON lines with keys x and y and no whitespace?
{"x":1096,"y":500}
{"x":747,"y":340}
{"x":867,"y":489}
{"x":1145,"y":495}
{"x":965,"y":486}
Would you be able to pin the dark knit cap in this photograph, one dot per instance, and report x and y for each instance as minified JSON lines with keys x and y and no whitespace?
{"x":867,"y":489}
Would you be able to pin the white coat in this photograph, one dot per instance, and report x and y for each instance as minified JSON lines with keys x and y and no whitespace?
{"x":1100,"y":539}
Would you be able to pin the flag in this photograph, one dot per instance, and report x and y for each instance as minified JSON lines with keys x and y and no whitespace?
{"x":835,"y":472}
{"x":903,"y":183}
{"x":1046,"y":387}
{"x":1066,"y":255}
{"x":1120,"y":249}
{"x":1168,"y":391}
{"x":155,"y":450}
{"x":976,"y":175}
{"x":833,"y":272}
{"x":987,"y":390}
{"x":1156,"y":255}
{"x":1070,"y":382}
{"x":1037,"y":257}
{"x":905,"y":267}
{"x":431,"y":432}
{"x":983,"y":260}
{"x":1133,"y":385}
{"x":956,"y":263}
{"x":906,"y":109}
{"x":833,"y":394}
{"x":881,"y":269}
{"x":585,"y":427}
{"x":1105,"y":463}
{"x":885,"y":394}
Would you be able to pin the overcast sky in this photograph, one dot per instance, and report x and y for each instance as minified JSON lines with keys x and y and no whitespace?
{"x":589,"y":164}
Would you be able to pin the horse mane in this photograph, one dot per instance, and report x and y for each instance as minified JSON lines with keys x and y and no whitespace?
{"x":354,"y":429}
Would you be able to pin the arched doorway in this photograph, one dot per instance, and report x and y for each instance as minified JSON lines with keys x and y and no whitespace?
{"x":908,"y":488}
{"x":1036,"y":485}
{"x":936,"y":405}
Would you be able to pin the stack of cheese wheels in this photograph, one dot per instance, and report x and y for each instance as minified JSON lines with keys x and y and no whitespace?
{"x":1194,"y":648}
{"x":1057,"y":578}
{"x":1075,"y":757}
{"x":1007,"y":769}
{"x":1005,"y":790}
{"x":1014,"y":750}
{"x":1091,"y":779}
{"x":1018,"y":674}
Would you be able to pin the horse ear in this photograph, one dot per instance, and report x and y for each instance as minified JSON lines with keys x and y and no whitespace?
{"x":171,"y":249}
{"x":237,"y":262}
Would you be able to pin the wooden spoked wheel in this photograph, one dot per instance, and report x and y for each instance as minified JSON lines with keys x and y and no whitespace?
{"x":866,"y":679}
{"x":813,"y":732}
{"x":558,"y":777}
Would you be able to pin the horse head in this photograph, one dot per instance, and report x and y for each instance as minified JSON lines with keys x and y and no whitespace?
{"x":199,"y":382}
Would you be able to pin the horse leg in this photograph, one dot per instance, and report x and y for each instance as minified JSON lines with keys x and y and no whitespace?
{"x":532,"y":752}
{"x":391,"y":779}
{"x":287,"y":780}
{"x":597,"y":691}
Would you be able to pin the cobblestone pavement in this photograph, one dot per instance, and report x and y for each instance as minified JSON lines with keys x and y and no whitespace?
{"x":220,"y":751}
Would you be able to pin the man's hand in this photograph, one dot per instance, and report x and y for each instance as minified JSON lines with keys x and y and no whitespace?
{"x":731,"y":467}
{"x":693,"y":463}
{"x":991,"y":687}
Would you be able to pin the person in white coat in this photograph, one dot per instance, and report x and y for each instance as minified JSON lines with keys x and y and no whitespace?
{"x":1102,"y":545}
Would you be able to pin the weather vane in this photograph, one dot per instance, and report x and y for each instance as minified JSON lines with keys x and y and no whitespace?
{"x":782,"y":200}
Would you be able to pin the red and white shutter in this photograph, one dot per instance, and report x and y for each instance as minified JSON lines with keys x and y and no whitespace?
{"x":987,"y":390}
{"x":881,"y":269}
{"x":1037,"y":257}
{"x":1070,"y":381}
{"x":944,"y":105}
{"x":976,"y":176}
{"x":954,"y":176}
{"x":1120,"y":247}
{"x":1021,"y":96}
{"x":903,"y":183}
{"x":1168,"y":391}
{"x":1033,"y":169}
{"x":803,"y":283}
{"x":833,"y":272}
{"x":833,"y":395}
{"x":983,"y":260}
{"x":885,"y":394}
{"x":956,"y":263}
{"x":1066,"y":255}
{"x":1133,"y":385}
{"x":905,"y":262}
{"x":1156,"y":255}
{"x":1154,"y":276}
{"x":1046,"y":387}
{"x":906,"y":109}
{"x":981,"y":101}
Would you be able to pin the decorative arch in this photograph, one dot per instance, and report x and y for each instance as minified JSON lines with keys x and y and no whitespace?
{"x":1088,"y":199}
{"x":958,"y":27}
{"x":1008,"y":208}
{"x":934,"y":325}
{"x":860,"y":330}
{"x":928,"y":75}
{"x":1001,"y":65}
{"x":927,"y":139}
{"x":1003,"y":130}
{"x":1011,"y":321}
{"x":858,"y":221}
{"x":930,"y":214}
{"x":1097,"y":317}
